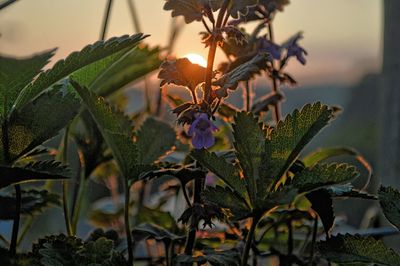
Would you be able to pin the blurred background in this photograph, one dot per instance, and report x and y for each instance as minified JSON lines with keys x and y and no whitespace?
{"x":347,"y":65}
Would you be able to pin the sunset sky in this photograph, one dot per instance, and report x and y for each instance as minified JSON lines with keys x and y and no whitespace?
{"x":343,"y":37}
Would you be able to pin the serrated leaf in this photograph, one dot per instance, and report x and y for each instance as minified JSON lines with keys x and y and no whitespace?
{"x":76,"y":61}
{"x":40,"y":120}
{"x":219,"y":166}
{"x":348,"y":249}
{"x":32,"y":203}
{"x":16,"y":73}
{"x":389,"y":199}
{"x":182,"y":72}
{"x":145,"y":231}
{"x":347,"y":191}
{"x":236,"y":7}
{"x":191,"y":10}
{"x":131,"y":66}
{"x":225,"y":198}
{"x":35,"y":171}
{"x":291,"y":135}
{"x":250,"y":145}
{"x":154,"y":139}
{"x":114,"y":127}
{"x":185,"y":174}
{"x":244,"y":72}
{"x":321,"y":175}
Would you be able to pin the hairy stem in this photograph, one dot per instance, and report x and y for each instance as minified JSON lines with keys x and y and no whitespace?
{"x":191,"y":238}
{"x":106,"y":19}
{"x":211,"y":53}
{"x":247,"y":95}
{"x":127,"y":223}
{"x":249,"y":241}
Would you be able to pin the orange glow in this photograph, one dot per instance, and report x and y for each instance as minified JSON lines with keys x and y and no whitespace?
{"x":196,"y":59}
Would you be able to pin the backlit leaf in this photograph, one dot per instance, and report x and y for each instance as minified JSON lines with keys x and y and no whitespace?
{"x":389,"y":198}
{"x":191,"y":10}
{"x":349,"y":249}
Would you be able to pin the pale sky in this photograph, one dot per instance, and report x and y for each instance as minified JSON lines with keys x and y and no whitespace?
{"x":343,"y":37}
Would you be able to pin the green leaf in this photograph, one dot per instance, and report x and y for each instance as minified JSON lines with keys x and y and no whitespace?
{"x":16,"y":73}
{"x":389,"y":198}
{"x":46,"y":170}
{"x":321,"y":175}
{"x":182,"y":72}
{"x":154,"y":139}
{"x":145,"y":231}
{"x":115,"y":128}
{"x":132,"y":65}
{"x":250,"y":145}
{"x":244,"y":72}
{"x":234,"y":206}
{"x":40,"y":120}
{"x":348,"y":249}
{"x":236,"y":7}
{"x":191,"y":10}
{"x":347,"y":191}
{"x":291,"y":135}
{"x":32,"y":202}
{"x":224,"y":170}
{"x":327,"y":153}
{"x":76,"y":61}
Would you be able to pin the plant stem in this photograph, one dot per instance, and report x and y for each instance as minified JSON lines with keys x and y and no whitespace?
{"x":290,"y":241}
{"x":275,"y":89}
{"x":135,"y":20}
{"x":105,"y":20}
{"x":77,"y":209}
{"x":212,"y":52}
{"x":7,"y":3}
{"x":127,"y":223}
{"x":247,"y":95}
{"x":14,"y":236}
{"x":191,"y":238}
{"x":314,"y":238}
{"x":62,"y":156}
{"x":249,"y":240}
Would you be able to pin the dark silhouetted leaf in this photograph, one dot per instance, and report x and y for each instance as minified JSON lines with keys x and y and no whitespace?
{"x":233,"y":206}
{"x":32,"y":202}
{"x":321,"y":203}
{"x":191,"y":10}
{"x":266,"y":102}
{"x":145,"y":231}
{"x":349,"y":249}
{"x":236,"y":7}
{"x":182,"y":72}
{"x":206,"y":212}
{"x":389,"y":198}
{"x":32,"y":172}
{"x":244,"y":72}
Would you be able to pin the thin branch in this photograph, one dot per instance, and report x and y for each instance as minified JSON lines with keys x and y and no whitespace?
{"x":134,"y":15}
{"x":106,"y":20}
{"x":7,"y":3}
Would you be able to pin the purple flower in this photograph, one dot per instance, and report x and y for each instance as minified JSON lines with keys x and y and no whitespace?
{"x":202,"y":131}
{"x":293,"y":49}
{"x":271,"y":48}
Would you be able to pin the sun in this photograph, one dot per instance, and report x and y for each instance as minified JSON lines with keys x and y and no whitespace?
{"x":196,"y":59}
